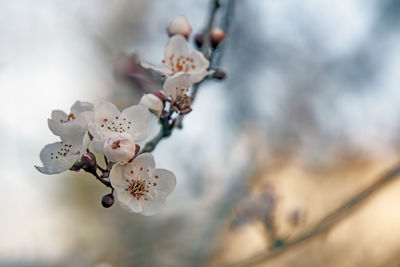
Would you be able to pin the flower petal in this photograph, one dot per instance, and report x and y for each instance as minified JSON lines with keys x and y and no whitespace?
{"x":145,"y":161}
{"x":176,"y":46}
{"x":130,"y":203}
{"x":139,"y":116}
{"x":54,"y":122}
{"x":152,"y":207}
{"x":201,"y":64}
{"x":177,"y":85}
{"x":116,"y":177}
{"x":166,"y":182}
{"x":104,"y":112}
{"x":163,"y":70}
{"x":58,"y":157}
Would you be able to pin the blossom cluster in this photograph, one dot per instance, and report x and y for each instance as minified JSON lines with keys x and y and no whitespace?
{"x":130,"y":169}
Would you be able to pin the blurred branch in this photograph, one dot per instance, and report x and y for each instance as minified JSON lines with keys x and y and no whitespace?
{"x":328,"y":222}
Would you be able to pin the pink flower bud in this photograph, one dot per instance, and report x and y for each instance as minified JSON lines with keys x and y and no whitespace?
{"x":179,"y":25}
{"x":216,"y":35}
{"x":153,"y":103}
{"x":119,"y":147}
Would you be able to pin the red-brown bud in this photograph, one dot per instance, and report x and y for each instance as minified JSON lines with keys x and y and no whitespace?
{"x":199,"y":40}
{"x":219,"y":74}
{"x":216,"y":35}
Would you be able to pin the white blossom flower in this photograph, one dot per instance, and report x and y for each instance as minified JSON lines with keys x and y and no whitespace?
{"x":153,"y":103}
{"x":179,"y":25}
{"x":119,"y":147}
{"x":60,"y":156}
{"x":140,"y":187}
{"x":178,"y":59}
{"x":177,"y":85}
{"x":109,"y":120}
{"x":71,"y":128}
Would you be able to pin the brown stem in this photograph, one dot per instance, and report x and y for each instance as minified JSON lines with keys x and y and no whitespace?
{"x":328,"y":222}
{"x":101,"y":179}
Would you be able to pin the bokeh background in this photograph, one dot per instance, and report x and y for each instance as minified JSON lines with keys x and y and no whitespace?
{"x":307,"y":117}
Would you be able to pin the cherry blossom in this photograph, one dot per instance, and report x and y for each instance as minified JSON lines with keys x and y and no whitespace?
{"x":108,"y":120}
{"x":60,"y":156}
{"x":178,"y":59}
{"x":177,"y":85}
{"x":140,"y":187}
{"x":72,"y":127}
{"x":119,"y":147}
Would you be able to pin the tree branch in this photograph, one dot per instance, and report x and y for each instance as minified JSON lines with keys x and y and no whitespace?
{"x":328,"y":222}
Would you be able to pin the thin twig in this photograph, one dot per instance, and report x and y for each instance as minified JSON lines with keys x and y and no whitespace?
{"x":101,"y":179}
{"x":328,"y":222}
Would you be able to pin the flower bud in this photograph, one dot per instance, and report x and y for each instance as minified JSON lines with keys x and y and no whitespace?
{"x":199,"y":40}
{"x":87,"y":162}
{"x":153,"y":103}
{"x":216,"y":35}
{"x":219,"y":74}
{"x":179,"y":25}
{"x":107,"y":200}
{"x":119,"y":147}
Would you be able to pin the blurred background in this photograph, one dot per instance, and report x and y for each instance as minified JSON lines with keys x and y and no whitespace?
{"x":307,"y":117}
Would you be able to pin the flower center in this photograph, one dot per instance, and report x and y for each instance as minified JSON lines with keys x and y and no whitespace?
{"x":63,"y":151}
{"x":137,"y":188}
{"x":69,"y":118}
{"x":117,"y":124}
{"x":116,"y":145}
{"x":180,"y":63}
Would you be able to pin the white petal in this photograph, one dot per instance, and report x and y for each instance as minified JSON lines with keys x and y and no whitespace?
{"x":71,"y":130}
{"x":117,"y":178}
{"x":130,"y":203}
{"x":139,"y":117}
{"x":105,"y":110}
{"x":58,"y":115}
{"x":153,"y":103}
{"x":166,"y":182}
{"x":55,"y":161}
{"x":80,"y":106}
{"x":152,"y":207}
{"x":201,"y":64}
{"x":177,"y":85}
{"x":145,"y":161}
{"x":176,"y":46}
{"x":119,"y":147}
{"x":54,"y":122}
{"x":163,"y":70}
